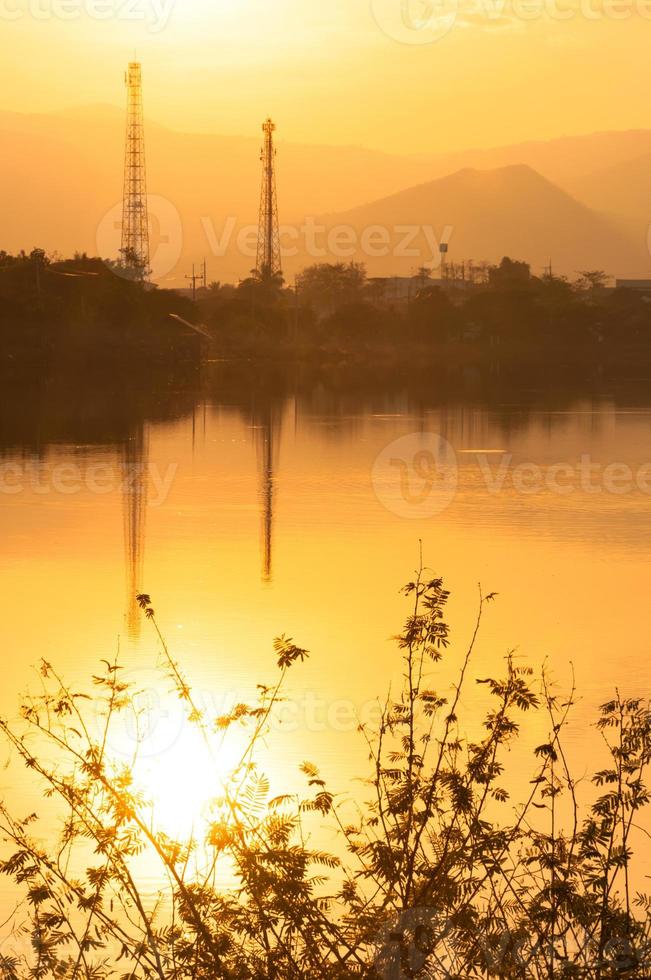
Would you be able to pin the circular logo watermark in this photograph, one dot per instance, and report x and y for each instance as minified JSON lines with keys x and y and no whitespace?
{"x":413,"y":945}
{"x":150,"y":724}
{"x":165,"y":237}
{"x":416,"y":476}
{"x":415,"y":21}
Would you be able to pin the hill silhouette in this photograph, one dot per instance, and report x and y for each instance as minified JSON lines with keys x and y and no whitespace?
{"x":61,"y":174}
{"x":624,"y":190}
{"x":563,"y":160}
{"x":490,"y":213}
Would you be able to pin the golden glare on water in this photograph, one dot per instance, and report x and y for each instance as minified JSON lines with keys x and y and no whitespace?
{"x":181,"y":785}
{"x":178,"y":767}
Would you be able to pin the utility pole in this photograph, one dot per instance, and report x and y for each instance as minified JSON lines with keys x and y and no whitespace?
{"x":135,"y":216}
{"x":443,"y":251}
{"x":268,"y":263}
{"x":198,"y":277}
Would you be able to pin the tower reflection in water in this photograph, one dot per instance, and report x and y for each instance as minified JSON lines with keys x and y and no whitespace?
{"x":135,"y":474}
{"x":267,"y":421}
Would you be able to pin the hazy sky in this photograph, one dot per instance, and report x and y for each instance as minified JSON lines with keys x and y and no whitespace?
{"x":400,"y":75}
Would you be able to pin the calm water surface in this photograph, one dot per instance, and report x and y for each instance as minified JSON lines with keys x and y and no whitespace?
{"x":250,"y":516}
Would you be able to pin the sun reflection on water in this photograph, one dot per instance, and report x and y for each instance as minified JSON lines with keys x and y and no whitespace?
{"x":181,"y":766}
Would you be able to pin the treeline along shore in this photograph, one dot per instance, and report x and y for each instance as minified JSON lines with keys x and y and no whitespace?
{"x":337,"y":310}
{"x":84,"y":309}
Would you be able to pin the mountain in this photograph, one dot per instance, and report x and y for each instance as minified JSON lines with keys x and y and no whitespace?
{"x":61,"y":184}
{"x":562,"y":160}
{"x":487,"y":214}
{"x":624,"y":190}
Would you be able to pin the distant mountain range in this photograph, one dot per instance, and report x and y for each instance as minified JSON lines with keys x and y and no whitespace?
{"x":490,"y":213}
{"x":584,"y":201}
{"x":624,"y":188}
{"x":564,"y":161}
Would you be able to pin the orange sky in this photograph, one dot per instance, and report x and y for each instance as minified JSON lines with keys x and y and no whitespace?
{"x":342,"y":71}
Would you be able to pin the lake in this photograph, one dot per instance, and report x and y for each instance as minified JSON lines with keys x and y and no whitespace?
{"x":253,"y":503}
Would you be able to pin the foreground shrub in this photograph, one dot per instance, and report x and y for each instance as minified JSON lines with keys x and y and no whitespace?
{"x":436,"y":874}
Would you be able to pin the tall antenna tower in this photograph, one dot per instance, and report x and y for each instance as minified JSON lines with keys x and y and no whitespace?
{"x":135,"y":218}
{"x":268,"y":262}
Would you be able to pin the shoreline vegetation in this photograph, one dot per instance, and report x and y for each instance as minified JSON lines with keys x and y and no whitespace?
{"x":437,"y":871}
{"x":83,"y":309}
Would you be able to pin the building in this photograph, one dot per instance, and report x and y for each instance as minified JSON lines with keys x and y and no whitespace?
{"x":397,"y":290}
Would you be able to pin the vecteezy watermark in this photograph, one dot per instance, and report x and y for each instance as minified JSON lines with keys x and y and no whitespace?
{"x":416,"y":476}
{"x":152,"y":722}
{"x":413,"y":945}
{"x":415,"y":21}
{"x":501,"y":12}
{"x":582,"y":476}
{"x":422,"y":942}
{"x":165,"y":237}
{"x":70,"y":478}
{"x":427,"y":21}
{"x":341,"y":242}
{"x":155,"y":719}
{"x":154,"y":13}
{"x":422,"y":245}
